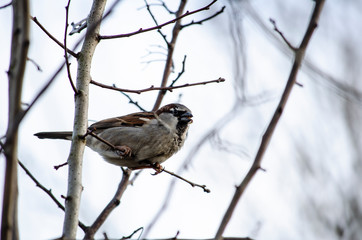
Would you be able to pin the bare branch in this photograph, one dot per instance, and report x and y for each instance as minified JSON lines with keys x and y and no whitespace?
{"x":183,"y":179}
{"x":48,"y":192}
{"x":132,"y":102}
{"x":163,"y":4}
{"x":67,"y":64}
{"x":6,"y":5}
{"x":299,"y":55}
{"x":79,"y":26}
{"x":169,"y":60}
{"x":282,"y":35}
{"x":152,"y":88}
{"x":141,"y":30}
{"x":180,"y":73}
{"x":52,"y":37}
{"x":155,"y":21}
{"x":204,"y":20}
{"x":134,"y":232}
{"x":152,"y":61}
{"x":75,"y":157}
{"x":36,"y":65}
{"x":60,"y":68}
{"x":60,"y":165}
{"x":18,"y":58}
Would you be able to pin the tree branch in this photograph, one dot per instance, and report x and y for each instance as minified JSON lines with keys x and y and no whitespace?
{"x":183,"y":179}
{"x":79,"y":26}
{"x":65,"y":47}
{"x":180,"y":73}
{"x":75,"y":158}
{"x":75,"y":55}
{"x":6,"y":5}
{"x":299,"y":55}
{"x":141,"y":30}
{"x":152,"y":88}
{"x":282,"y":35}
{"x":48,"y":192}
{"x":171,"y":47}
{"x":130,"y":100}
{"x":35,"y":64}
{"x":18,"y":59}
{"x":204,"y":20}
{"x":155,"y":21}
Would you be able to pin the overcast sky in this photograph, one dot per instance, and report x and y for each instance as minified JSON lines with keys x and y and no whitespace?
{"x":309,"y":160}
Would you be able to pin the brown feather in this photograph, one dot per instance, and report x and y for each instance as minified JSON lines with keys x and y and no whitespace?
{"x":130,"y":120}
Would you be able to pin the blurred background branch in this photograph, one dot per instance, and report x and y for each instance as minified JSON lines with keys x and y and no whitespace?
{"x":20,"y":41}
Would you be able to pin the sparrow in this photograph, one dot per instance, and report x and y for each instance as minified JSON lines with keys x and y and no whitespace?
{"x":137,"y":140}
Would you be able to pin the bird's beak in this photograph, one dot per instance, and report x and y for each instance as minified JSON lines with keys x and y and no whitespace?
{"x":186,"y":117}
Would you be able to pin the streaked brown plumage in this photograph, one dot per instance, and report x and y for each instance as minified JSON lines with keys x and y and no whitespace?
{"x":151,"y":137}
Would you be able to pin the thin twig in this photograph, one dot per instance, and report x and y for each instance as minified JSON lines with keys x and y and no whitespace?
{"x":153,"y":88}
{"x":282,"y":35}
{"x":134,"y":232}
{"x":183,"y":179}
{"x":141,"y":30}
{"x":154,"y":53}
{"x":299,"y":55}
{"x":33,"y":62}
{"x":65,"y":47}
{"x":133,"y":102}
{"x":6,"y":5}
{"x":155,"y":21}
{"x":162,"y":3}
{"x":180,"y":73}
{"x":135,"y":176}
{"x":48,"y":192}
{"x":18,"y":59}
{"x":60,"y":165}
{"x":60,"y":68}
{"x":52,"y":37}
{"x":38,"y":184}
{"x":170,"y":51}
{"x":105,"y":236}
{"x":79,"y":26}
{"x":204,"y":20}
{"x":152,"y":61}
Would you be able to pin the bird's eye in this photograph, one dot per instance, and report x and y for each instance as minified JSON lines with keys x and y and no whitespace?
{"x":174,"y":111}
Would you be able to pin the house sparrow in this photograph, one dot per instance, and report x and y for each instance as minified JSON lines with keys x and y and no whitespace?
{"x":139,"y":139}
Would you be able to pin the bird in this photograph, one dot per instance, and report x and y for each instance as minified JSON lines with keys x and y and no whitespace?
{"x":137,"y":140}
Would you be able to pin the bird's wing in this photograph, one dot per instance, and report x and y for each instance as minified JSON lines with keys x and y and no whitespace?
{"x":130,"y":120}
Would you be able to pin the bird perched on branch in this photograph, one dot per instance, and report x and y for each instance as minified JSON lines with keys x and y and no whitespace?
{"x":139,"y":139}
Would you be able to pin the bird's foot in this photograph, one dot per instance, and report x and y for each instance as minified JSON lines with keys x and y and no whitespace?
{"x":123,"y":151}
{"x":157,"y":167}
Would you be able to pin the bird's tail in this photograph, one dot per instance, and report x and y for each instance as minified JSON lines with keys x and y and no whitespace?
{"x":54,"y":135}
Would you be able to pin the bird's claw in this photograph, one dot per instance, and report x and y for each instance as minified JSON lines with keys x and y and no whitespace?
{"x":157,"y":167}
{"x":123,"y":151}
